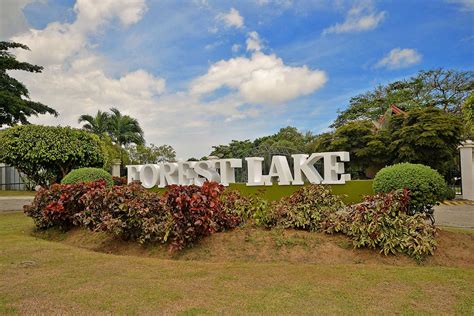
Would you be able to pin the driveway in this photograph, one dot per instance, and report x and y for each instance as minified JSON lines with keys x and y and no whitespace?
{"x":14,"y":203}
{"x":461,"y":215}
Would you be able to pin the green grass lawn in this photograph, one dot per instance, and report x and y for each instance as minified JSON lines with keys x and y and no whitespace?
{"x":16,"y":193}
{"x":38,"y":276}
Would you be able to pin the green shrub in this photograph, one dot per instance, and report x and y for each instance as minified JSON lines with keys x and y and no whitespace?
{"x":427,"y":187}
{"x":45,"y":154}
{"x":309,"y":209}
{"x":87,"y":175}
{"x":450,"y":193}
{"x":382,"y":221}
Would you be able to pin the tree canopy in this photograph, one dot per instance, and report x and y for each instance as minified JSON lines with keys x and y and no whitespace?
{"x":98,"y":124}
{"x":141,"y":154}
{"x":439,"y":88}
{"x":45,"y":154}
{"x":122,"y":129}
{"x":286,"y":141}
{"x":427,"y":136}
{"x":15,"y":104}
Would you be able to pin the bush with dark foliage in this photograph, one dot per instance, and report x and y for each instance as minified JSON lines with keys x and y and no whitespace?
{"x":58,"y":205}
{"x":129,"y":212}
{"x":196,"y":212}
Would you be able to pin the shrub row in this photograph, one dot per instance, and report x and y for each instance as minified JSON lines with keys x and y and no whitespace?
{"x":186,"y":214}
{"x":181,"y":217}
{"x":381,"y":221}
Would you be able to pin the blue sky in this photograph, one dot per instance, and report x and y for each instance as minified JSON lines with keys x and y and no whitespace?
{"x":186,"y":71}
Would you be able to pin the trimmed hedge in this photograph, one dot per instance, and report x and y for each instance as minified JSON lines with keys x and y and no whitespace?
{"x":87,"y":175}
{"x":427,"y":187}
{"x":351,"y":192}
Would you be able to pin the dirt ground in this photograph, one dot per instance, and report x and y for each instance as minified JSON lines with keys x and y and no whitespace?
{"x":455,"y":248}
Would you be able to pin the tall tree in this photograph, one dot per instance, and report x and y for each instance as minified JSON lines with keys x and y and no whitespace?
{"x":124,"y":129}
{"x":367,"y":147}
{"x":98,"y":124}
{"x":427,"y":136}
{"x":440,"y":88}
{"x":15,"y":104}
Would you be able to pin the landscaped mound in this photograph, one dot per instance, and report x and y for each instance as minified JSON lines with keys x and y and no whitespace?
{"x":87,"y":175}
{"x":186,"y":214}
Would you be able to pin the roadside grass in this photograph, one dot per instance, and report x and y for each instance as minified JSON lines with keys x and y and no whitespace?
{"x":39,"y":276}
{"x":16,"y":193}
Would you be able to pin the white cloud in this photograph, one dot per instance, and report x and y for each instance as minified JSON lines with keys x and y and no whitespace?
{"x":466,"y":5}
{"x":261,"y":79}
{"x":59,"y":41}
{"x":253,"y":42}
{"x":235,"y":48}
{"x":282,"y":3}
{"x":92,"y":13}
{"x":400,"y":58}
{"x":12,"y":20}
{"x":361,"y":17}
{"x":232,"y":18}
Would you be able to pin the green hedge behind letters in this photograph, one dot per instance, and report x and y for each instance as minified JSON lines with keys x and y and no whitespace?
{"x":354,"y":190}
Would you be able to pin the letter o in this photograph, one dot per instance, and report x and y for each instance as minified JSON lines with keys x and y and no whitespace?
{"x":149,"y":176}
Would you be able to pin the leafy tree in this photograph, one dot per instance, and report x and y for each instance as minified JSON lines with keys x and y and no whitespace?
{"x":124,"y":129}
{"x":141,"y":154}
{"x":367,"y":148}
{"x":235,"y":149}
{"x":15,"y":104}
{"x":468,"y":117}
{"x":427,"y":136}
{"x":98,"y":124}
{"x":287,"y":141}
{"x":112,"y":152}
{"x":45,"y":154}
{"x":440,"y":88}
{"x":320,"y":143}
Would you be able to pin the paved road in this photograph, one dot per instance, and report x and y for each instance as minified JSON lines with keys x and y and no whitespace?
{"x":455,"y":215}
{"x":14,"y":203}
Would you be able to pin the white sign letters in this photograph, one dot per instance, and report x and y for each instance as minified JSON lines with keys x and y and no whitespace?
{"x":223,"y":171}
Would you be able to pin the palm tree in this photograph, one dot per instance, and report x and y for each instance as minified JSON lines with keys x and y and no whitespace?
{"x":98,"y":124}
{"x":124,"y":129}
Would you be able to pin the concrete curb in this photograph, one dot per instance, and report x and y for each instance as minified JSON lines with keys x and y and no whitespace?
{"x":14,"y":203}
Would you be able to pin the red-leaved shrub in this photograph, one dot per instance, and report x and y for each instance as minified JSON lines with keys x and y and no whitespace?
{"x":196,"y":212}
{"x":129,"y":212}
{"x":119,"y":180}
{"x":58,"y":205}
